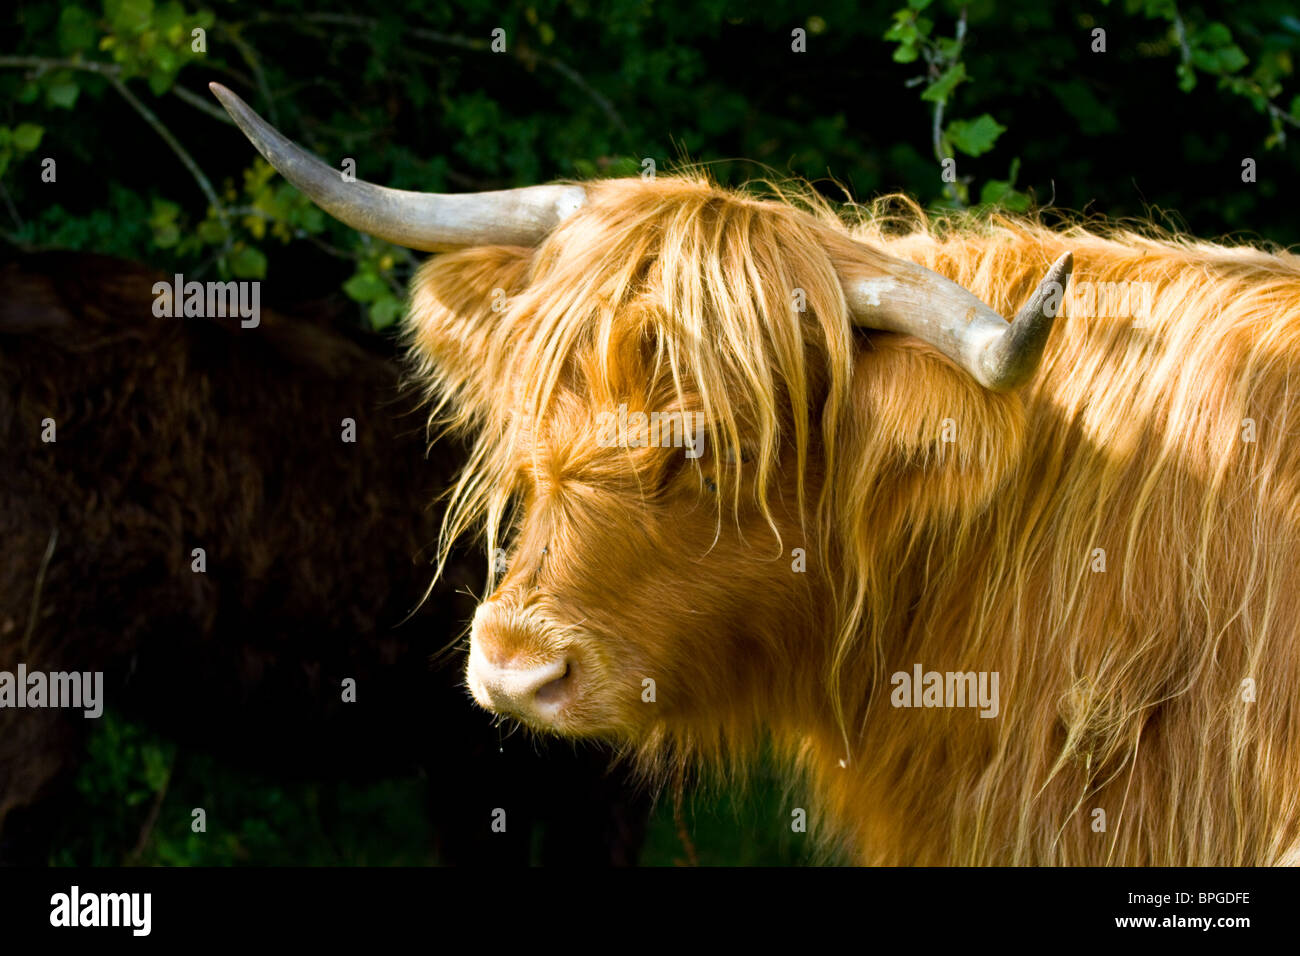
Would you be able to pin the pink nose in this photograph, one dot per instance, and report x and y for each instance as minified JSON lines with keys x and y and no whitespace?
{"x":538,"y":692}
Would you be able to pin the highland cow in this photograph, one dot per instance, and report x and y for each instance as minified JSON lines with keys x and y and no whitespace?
{"x":902,"y":496}
{"x":133,"y":440}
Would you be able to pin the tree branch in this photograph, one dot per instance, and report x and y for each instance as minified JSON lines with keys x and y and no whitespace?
{"x":186,"y":159}
{"x":199,"y":103}
{"x":249,"y":56}
{"x":43,"y":64}
{"x":113,"y":73}
{"x":936,"y":130}
{"x":478,"y":46}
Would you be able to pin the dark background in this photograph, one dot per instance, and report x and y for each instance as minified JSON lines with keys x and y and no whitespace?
{"x":1037,"y":118}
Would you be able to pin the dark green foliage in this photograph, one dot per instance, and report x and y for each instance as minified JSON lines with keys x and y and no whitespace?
{"x":136,"y":792}
{"x":1015,"y":95}
{"x":749,"y":826}
{"x":136,"y":795}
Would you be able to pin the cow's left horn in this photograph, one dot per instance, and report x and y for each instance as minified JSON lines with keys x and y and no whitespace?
{"x":432,"y":222}
{"x":916,"y":300}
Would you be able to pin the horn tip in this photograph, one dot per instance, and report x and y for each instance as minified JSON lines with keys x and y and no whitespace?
{"x":1015,"y":358}
{"x":225,"y":96}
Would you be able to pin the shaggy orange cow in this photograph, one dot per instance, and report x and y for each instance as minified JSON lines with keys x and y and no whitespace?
{"x":1000,"y":593}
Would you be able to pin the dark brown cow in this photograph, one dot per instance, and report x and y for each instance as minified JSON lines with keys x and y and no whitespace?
{"x":176,"y":434}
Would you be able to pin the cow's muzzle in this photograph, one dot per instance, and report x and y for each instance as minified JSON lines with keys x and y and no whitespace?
{"x":515,"y":670}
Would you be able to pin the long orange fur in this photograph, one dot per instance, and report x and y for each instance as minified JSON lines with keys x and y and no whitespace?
{"x":1122,"y":690}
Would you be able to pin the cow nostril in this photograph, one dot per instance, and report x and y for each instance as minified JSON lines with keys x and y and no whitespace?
{"x":557,"y":690}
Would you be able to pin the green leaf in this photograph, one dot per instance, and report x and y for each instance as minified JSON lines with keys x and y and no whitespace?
{"x":27,"y":136}
{"x":310,"y":219}
{"x":170,"y":14}
{"x":947,"y":47}
{"x":166,"y":235}
{"x":937,"y":92}
{"x":624,"y":166}
{"x":160,"y":82}
{"x":1231,"y":59}
{"x":76,"y":30}
{"x":999,"y":192}
{"x":163,"y":211}
{"x":906,"y":53}
{"x":904,"y":32}
{"x":974,"y":137}
{"x":993,"y":190}
{"x":1204,"y":60}
{"x":129,"y":16}
{"x":365,"y":286}
{"x":248,"y":263}
{"x":1215,"y":34}
{"x":63,"y":94}
{"x":211,"y":231}
{"x":384,"y":312}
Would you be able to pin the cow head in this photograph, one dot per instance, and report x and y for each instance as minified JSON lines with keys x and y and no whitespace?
{"x":705,"y":426}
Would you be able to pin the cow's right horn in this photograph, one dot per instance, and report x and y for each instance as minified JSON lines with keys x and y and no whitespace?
{"x":432,"y":222}
{"x":918,"y":301}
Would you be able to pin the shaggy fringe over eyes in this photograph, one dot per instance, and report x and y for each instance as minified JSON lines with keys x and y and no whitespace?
{"x":685,"y":286}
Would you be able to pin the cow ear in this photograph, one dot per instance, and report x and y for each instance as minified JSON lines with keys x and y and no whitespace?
{"x":925,"y":442}
{"x":461,"y":330}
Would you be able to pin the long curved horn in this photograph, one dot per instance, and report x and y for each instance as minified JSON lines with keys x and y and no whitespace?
{"x":432,"y":222}
{"x":920,"y":302}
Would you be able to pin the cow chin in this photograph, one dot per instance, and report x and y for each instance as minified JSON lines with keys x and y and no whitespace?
{"x":545,"y":676}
